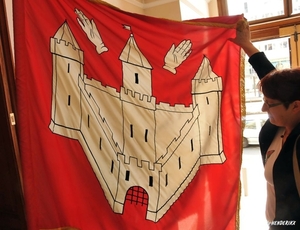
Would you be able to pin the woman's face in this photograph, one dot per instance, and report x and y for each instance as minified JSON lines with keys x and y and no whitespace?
{"x":278,"y":113}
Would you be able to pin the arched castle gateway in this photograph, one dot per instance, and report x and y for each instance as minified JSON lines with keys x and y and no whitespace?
{"x":129,"y":140}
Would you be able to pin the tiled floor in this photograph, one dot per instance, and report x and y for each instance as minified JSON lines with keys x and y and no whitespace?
{"x":252,"y":212}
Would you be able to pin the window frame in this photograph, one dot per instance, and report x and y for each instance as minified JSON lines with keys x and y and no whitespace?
{"x":267,"y":28}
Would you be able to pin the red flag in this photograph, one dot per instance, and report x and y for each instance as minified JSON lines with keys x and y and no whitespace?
{"x":127,"y":121}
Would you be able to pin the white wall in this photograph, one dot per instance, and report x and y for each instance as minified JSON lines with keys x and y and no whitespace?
{"x":170,"y":9}
{"x":191,"y":9}
{"x":134,"y":6}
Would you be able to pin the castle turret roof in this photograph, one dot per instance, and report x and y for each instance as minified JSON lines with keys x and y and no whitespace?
{"x":64,"y":33}
{"x":132,"y":54}
{"x":205,"y":70}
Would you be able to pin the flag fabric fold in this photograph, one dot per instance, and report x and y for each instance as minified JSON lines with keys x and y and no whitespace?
{"x":127,"y":121}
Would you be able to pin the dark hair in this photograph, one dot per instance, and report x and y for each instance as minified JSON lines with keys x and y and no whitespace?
{"x":282,"y":85}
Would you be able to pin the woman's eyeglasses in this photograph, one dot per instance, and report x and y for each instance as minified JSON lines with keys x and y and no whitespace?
{"x":270,"y":105}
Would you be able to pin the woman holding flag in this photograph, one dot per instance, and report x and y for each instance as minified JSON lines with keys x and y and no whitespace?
{"x":279,"y":144}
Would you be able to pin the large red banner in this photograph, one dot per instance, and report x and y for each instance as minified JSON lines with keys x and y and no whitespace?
{"x":127,"y":121}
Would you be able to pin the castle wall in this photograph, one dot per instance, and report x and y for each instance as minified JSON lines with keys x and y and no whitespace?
{"x":180,"y":169}
{"x":171,"y":129}
{"x":101,"y":148}
{"x":105,"y":95}
{"x":139,"y":132}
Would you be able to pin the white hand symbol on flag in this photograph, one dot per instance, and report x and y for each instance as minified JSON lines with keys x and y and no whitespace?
{"x":90,"y":28}
{"x":176,"y":56}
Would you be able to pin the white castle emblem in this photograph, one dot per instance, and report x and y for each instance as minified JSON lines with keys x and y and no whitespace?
{"x":131,"y":141}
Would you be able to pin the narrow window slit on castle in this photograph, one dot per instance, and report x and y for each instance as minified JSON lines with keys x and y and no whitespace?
{"x":179,"y":162}
{"x":68,"y":67}
{"x":136,"y":78}
{"x":192,"y":145}
{"x":112,"y":166}
{"x":100,"y":143}
{"x":146,"y":135}
{"x":88,"y":120}
{"x":127,"y":175}
{"x":207,"y":100}
{"x":151,"y":181}
{"x":131,"y":131}
{"x":69,"y":100}
{"x":166,"y":179}
{"x":209,"y":130}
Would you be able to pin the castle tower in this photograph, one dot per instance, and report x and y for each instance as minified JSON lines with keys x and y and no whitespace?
{"x":137,"y":79}
{"x":138,"y":104}
{"x":206,"y":91}
{"x":65,"y":97}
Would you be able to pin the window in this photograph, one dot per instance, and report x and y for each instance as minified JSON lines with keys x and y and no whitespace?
{"x":146,"y":135}
{"x":127,"y":175}
{"x":100,"y":143}
{"x":192,"y":145}
{"x":112,"y":166}
{"x":166,"y":180}
{"x":131,"y":131}
{"x":278,"y":52}
{"x":295,"y":6}
{"x":207,"y":101}
{"x":250,"y":124}
{"x":274,"y":30}
{"x":69,"y":100}
{"x":151,"y":181}
{"x":264,"y":24}
{"x":249,"y":8}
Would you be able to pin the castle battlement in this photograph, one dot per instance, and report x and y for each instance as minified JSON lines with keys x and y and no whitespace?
{"x":98,"y":85}
{"x":145,"y":101}
{"x":73,"y":52}
{"x":65,"y":43}
{"x":208,"y":80}
{"x":207,"y":85}
{"x":134,"y":163}
{"x":178,"y":108}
